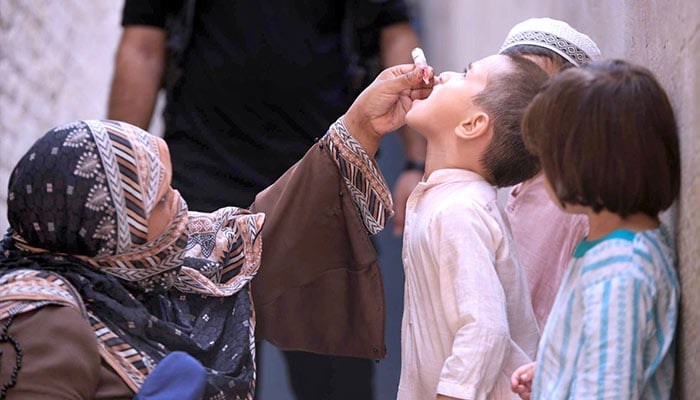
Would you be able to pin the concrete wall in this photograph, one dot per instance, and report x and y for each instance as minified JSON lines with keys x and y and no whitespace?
{"x":56,"y":64}
{"x":662,"y":35}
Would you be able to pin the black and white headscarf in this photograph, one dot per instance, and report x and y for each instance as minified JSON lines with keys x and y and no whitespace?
{"x":78,"y":207}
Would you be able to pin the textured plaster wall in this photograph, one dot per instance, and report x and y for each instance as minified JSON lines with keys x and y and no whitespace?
{"x":56,"y":60}
{"x":662,"y":35}
{"x":666,"y":37}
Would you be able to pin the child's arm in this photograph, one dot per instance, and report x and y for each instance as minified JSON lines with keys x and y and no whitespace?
{"x":473,"y":300}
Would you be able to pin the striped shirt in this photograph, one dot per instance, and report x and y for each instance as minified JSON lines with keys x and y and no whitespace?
{"x":610,"y":332}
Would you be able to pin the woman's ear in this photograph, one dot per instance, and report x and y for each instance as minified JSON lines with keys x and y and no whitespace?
{"x":473,"y":127}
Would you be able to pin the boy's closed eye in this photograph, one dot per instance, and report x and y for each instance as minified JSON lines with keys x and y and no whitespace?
{"x":466,"y":70}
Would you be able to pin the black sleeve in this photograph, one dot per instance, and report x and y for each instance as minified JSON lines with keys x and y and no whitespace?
{"x":148,"y":12}
{"x":373,"y":15}
{"x":376,"y":14}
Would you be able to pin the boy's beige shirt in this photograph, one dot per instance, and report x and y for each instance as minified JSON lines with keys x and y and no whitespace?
{"x":468,"y":320}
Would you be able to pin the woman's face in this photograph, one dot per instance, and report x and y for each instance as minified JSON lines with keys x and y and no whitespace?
{"x":165,"y":210}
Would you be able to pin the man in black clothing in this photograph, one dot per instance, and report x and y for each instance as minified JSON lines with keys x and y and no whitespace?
{"x":235,"y":120}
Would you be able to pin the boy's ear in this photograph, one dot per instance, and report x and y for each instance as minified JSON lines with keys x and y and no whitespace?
{"x":473,"y":127}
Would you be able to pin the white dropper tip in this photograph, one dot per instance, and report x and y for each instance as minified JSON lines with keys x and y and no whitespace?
{"x":420,"y":60}
{"x":418,"y":56}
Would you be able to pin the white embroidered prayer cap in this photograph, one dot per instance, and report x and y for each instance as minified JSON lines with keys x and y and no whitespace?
{"x":554,"y":35}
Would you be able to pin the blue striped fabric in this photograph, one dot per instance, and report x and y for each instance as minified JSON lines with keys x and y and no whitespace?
{"x":611,"y":329}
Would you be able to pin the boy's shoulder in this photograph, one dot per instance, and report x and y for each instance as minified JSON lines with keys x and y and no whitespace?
{"x":464,"y":213}
{"x":466,"y":198}
{"x":454,"y":196}
{"x":450,"y":186}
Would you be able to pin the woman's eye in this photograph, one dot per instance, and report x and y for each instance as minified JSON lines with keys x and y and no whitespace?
{"x":163,"y":199}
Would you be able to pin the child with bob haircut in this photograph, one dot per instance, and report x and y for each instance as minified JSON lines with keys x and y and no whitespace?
{"x":606,"y":137}
{"x":468,"y":320}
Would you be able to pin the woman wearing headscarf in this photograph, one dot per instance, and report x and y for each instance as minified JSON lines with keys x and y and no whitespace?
{"x":97,"y":229}
{"x":105,"y":275}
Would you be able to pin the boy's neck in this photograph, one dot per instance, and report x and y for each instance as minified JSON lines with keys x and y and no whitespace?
{"x":603,"y":223}
{"x":449,"y":155}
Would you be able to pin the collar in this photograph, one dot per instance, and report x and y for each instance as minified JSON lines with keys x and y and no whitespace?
{"x":453,"y":175}
{"x":522,"y":187}
{"x":585,"y":245}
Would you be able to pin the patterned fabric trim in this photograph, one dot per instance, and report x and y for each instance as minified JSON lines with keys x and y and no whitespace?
{"x":130,"y":364}
{"x":151,"y":259}
{"x":362,"y":177}
{"x":251,"y":343}
{"x":25,"y":290}
{"x":156,"y":174}
{"x":228,"y":239}
{"x":562,"y":46}
{"x":111,"y":168}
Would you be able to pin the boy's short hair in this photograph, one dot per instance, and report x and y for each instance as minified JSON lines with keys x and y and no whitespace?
{"x":539,"y":51}
{"x":607,"y":138}
{"x":507,"y":160}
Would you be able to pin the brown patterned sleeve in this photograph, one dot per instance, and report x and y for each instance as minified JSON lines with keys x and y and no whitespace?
{"x":361,"y":175}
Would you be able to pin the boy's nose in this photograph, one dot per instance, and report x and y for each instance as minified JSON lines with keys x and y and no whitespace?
{"x":446,"y":76}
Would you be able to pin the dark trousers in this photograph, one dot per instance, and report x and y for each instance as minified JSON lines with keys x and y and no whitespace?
{"x":321,"y":377}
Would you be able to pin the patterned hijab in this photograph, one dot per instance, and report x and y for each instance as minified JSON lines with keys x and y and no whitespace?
{"x":79,"y":205}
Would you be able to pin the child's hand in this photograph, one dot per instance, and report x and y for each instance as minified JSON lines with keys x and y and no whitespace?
{"x":521,"y":380}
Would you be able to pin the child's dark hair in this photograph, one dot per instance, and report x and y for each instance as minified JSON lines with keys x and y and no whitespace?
{"x":607,"y":138}
{"x":539,"y":51}
{"x":506,"y":160}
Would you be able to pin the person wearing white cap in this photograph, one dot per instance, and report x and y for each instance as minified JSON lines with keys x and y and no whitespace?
{"x":552,"y":37}
{"x":545,"y":236}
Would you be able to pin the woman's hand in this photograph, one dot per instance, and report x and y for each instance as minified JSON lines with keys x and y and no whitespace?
{"x":381,"y":108}
{"x":521,"y":380}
